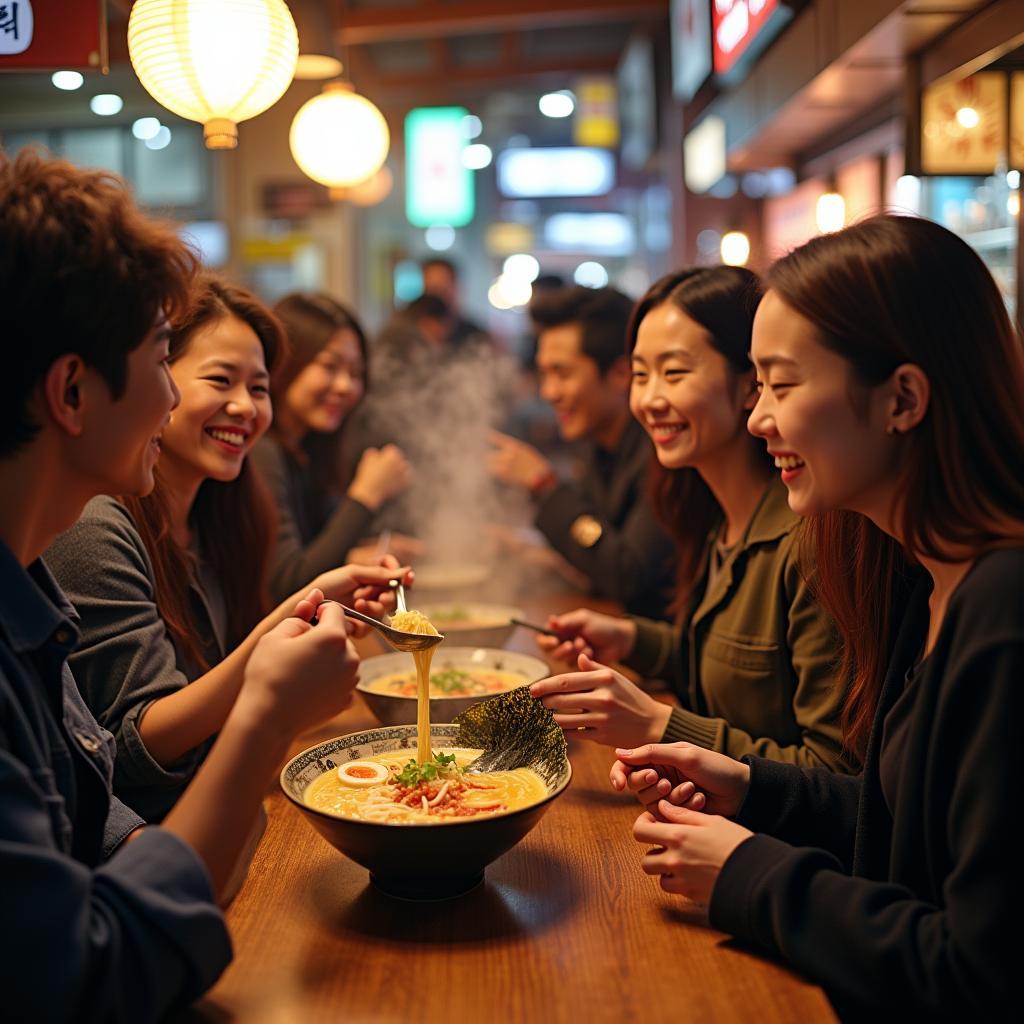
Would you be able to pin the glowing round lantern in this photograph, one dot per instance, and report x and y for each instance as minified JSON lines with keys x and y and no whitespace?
{"x":339,"y":138}
{"x":214,"y":61}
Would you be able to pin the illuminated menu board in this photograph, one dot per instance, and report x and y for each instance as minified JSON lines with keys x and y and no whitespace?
{"x":438,"y":186}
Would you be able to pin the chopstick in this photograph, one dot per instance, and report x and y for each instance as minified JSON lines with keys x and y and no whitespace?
{"x":537,"y":629}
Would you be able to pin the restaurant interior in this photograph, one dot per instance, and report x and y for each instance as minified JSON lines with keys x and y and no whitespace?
{"x":451,"y":184}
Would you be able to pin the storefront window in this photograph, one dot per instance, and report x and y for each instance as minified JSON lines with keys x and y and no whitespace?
{"x":984,"y":212}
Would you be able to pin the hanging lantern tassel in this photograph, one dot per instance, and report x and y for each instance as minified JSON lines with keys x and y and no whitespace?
{"x":217,"y":62}
{"x":339,"y":138}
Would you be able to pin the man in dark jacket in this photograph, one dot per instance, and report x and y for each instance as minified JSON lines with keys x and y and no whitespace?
{"x":602,"y":523}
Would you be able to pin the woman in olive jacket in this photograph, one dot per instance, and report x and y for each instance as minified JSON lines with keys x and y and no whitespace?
{"x":752,"y":655}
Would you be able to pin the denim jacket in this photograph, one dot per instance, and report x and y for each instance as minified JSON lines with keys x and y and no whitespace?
{"x":91,"y":931}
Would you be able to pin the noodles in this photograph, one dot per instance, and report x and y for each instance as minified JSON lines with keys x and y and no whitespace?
{"x":451,"y":796}
{"x":416,"y":622}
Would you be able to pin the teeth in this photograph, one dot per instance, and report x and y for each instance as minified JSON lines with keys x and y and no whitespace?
{"x":788,"y":462}
{"x":667,"y":428}
{"x":228,"y":436}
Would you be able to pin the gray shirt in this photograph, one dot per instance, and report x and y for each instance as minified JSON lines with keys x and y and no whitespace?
{"x":312,"y":537}
{"x":126,"y":658}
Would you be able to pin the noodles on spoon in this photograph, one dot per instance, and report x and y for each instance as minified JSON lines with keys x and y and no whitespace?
{"x":417,"y":622}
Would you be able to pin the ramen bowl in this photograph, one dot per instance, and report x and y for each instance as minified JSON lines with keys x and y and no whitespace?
{"x":414,"y":861}
{"x":480,"y":664}
{"x":449,"y":581}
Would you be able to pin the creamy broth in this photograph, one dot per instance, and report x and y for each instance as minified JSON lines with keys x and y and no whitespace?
{"x":455,"y":681}
{"x":451,"y":797}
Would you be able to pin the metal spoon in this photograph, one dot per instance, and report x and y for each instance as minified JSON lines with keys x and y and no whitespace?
{"x":400,"y":640}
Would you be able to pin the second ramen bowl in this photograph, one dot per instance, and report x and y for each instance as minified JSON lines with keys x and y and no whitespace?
{"x":480,"y":663}
{"x":413,"y":861}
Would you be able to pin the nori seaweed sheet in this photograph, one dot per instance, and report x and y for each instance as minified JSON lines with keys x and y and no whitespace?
{"x":514,"y":730}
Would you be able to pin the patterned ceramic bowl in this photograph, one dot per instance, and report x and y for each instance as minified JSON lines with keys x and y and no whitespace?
{"x":413,"y":861}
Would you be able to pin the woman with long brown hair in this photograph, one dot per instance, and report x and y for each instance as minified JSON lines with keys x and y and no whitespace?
{"x":891,"y":399}
{"x":322,"y":521}
{"x":751,"y":655}
{"x":171,"y":587}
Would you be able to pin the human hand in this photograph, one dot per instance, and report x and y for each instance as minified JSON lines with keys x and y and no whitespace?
{"x":365,"y":587}
{"x":682,"y":773}
{"x":605,"y":638}
{"x":514,"y":462}
{"x":298,"y":674}
{"x":382,"y":473}
{"x":690,"y":848}
{"x":604,"y":703}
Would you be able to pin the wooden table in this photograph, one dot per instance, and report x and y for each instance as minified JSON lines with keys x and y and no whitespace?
{"x":566,"y":927}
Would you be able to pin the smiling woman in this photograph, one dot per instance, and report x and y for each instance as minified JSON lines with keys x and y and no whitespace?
{"x":320,"y":518}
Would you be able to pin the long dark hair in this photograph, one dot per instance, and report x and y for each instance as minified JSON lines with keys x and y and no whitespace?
{"x":234,"y":520}
{"x":723,"y":301}
{"x":310,"y":320}
{"x":894,"y":290}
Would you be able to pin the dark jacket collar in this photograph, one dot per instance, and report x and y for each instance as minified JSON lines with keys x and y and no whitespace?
{"x":32,"y":605}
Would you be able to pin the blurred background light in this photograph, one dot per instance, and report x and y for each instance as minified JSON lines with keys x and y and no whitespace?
{"x":67,"y":80}
{"x":106,"y":104}
{"x":557,"y":104}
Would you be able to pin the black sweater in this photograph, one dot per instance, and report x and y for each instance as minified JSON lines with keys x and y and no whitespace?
{"x":920,"y":910}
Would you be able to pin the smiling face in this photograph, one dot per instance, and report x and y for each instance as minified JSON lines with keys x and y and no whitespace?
{"x":684,"y":393}
{"x":826,"y":430}
{"x":118,"y":452}
{"x":324,"y":392}
{"x":225,"y":402}
{"x":586,"y":402}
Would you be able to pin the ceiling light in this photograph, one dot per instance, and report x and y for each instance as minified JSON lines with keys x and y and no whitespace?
{"x":439,"y":237}
{"x":735,"y":249}
{"x":476,"y":156}
{"x":591,"y":275}
{"x":830,"y":212}
{"x":106,"y":104}
{"x":339,"y":138}
{"x":967,"y":117}
{"x":557,"y":104}
{"x":161,"y":140}
{"x":314,"y":67}
{"x":67,"y":80}
{"x":145,"y":128}
{"x":215,"y":63}
{"x":521,"y":265}
{"x":472,"y":126}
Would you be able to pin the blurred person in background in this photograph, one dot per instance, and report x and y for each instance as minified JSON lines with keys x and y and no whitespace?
{"x":751,"y":654}
{"x":324,"y":521}
{"x":602,"y":523}
{"x":441,"y":279}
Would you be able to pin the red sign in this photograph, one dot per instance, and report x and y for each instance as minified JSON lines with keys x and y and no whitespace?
{"x":736,"y":24}
{"x":44,"y":35}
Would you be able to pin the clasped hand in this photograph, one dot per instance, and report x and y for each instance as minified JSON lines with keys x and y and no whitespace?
{"x":688,"y":794}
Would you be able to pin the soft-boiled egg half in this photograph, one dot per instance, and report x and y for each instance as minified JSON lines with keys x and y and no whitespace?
{"x":363,"y":773}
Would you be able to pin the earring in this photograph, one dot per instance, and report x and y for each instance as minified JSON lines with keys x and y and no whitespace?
{"x":890,"y":429}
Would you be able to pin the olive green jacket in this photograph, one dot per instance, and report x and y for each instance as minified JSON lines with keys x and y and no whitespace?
{"x":754,"y":663}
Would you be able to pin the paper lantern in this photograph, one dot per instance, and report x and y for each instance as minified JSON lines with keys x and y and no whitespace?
{"x":339,"y":138}
{"x":218,"y":62}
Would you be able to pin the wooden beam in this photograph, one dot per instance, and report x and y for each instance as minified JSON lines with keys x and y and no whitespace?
{"x":467,"y":77}
{"x":469,"y":17}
